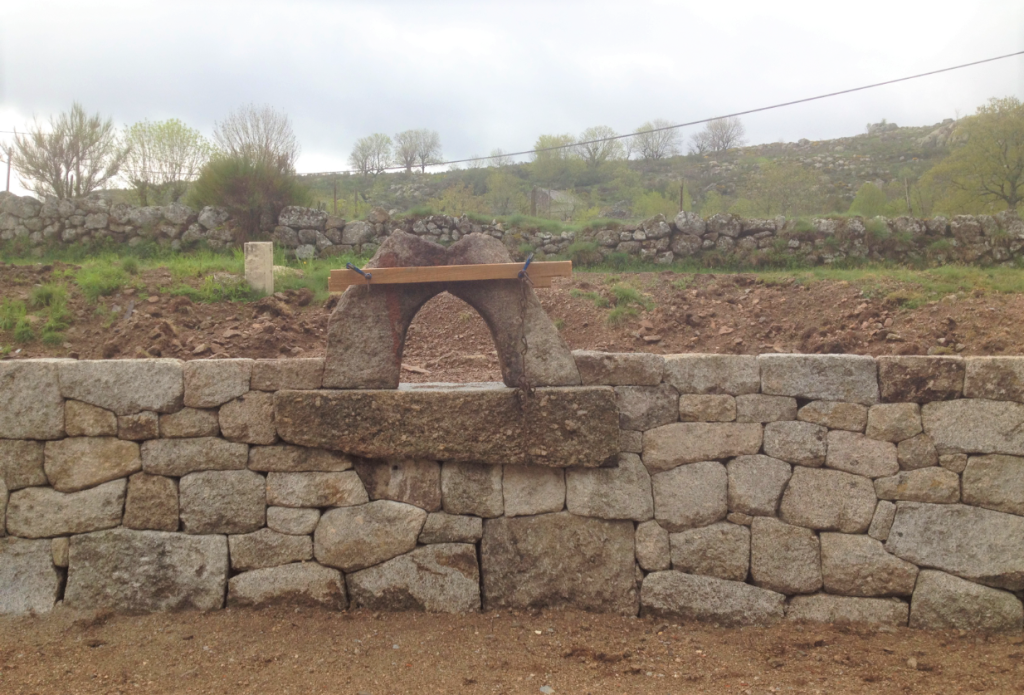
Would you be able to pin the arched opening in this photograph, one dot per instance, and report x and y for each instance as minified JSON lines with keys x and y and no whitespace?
{"x":449,"y":341}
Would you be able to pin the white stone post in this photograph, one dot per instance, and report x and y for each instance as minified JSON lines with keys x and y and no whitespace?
{"x":259,"y":266}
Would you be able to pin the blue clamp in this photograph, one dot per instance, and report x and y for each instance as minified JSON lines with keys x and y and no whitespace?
{"x":369,"y":275}
{"x":522,"y":273}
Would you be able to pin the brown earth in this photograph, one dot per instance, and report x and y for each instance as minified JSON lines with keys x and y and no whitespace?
{"x":448,"y":341}
{"x":308,"y":651}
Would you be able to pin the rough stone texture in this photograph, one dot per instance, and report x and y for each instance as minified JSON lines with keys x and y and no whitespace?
{"x":559,"y":560}
{"x":631,"y":442}
{"x":84,"y":420}
{"x":977,"y":544}
{"x":179,"y":457}
{"x":646,"y":407}
{"x":936,"y":485}
{"x":678,"y":596}
{"x":315,"y":489}
{"x":881,"y":522}
{"x":623,"y":492}
{"x":653,"y":548}
{"x":943,"y":602}
{"x":222,"y":502}
{"x":353,"y":538}
{"x":297,"y":459}
{"x":249,"y":418}
{"x":450,"y":528}
{"x":128,"y":570}
{"x":836,"y":416}
{"x":275,"y":375}
{"x":125,"y":387}
{"x":756,"y":484}
{"x":371,"y":357}
{"x":558,"y":427}
{"x":413,"y":481}
{"x":41,"y":512}
{"x":822,"y":608}
{"x":894,"y":422}
{"x":38,"y":417}
{"x":139,"y":427}
{"x":917,"y":452}
{"x":757,"y":407}
{"x":975,"y":426}
{"x":919,"y":379}
{"x":468,"y":488}
{"x":190,"y":422}
{"x":720,"y":550}
{"x":784,"y":558}
{"x":995,"y":482}
{"x":680,"y":443}
{"x":695,"y":407}
{"x":78,"y":463}
{"x":802,"y":443}
{"x":728,"y":374}
{"x":295,"y":522}
{"x":266,"y":548}
{"x":619,"y":368}
{"x":29,"y":583}
{"x":3,"y":507}
{"x":441,"y":578}
{"x":59,"y":549}
{"x":851,"y":378}
{"x":690,"y":496}
{"x":21,"y":464}
{"x":828,"y":500}
{"x":855,"y":453}
{"x":210,"y":383}
{"x":859,"y":566}
{"x":301,"y":584}
{"x":530,"y":490}
{"x":953,"y":462}
{"x":152,"y":503}
{"x":996,"y":378}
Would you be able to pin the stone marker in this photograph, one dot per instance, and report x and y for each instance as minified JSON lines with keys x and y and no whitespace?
{"x":720,"y":550}
{"x":77,"y":463}
{"x":300,"y":584}
{"x":441,"y":578}
{"x":822,"y":608}
{"x":677,"y":596}
{"x":29,"y":583}
{"x":259,"y":266}
{"x":125,"y":387}
{"x":942,"y":601}
{"x":41,"y":512}
{"x":559,"y":560}
{"x":353,"y":538}
{"x":560,"y":427}
{"x":146,"y":571}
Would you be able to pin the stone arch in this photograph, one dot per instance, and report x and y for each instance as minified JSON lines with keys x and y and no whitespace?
{"x":367,"y":330}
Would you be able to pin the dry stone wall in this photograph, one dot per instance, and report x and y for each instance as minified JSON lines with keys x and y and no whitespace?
{"x":745,"y":490}
{"x":308,"y":233}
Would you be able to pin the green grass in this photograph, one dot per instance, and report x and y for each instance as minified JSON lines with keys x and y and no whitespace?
{"x":621,"y":314}
{"x":23,"y":332}
{"x":599,"y":301}
{"x":630,"y":296}
{"x":100,"y":279}
{"x":11,"y":312}
{"x":48,"y":294}
{"x":213,"y":290}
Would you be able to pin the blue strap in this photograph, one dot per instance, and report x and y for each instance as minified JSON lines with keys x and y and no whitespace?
{"x":369,"y":275}
{"x":522,"y":273}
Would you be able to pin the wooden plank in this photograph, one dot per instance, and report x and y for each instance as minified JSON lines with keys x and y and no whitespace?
{"x":540,"y":272}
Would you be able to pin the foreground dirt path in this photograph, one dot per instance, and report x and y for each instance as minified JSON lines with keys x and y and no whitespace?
{"x":309,"y":651}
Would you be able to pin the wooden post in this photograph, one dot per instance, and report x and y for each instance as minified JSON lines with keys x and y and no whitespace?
{"x":259,"y":266}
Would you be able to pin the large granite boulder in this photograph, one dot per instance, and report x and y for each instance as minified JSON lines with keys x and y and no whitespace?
{"x":713,"y":374}
{"x":942,"y":601}
{"x":222,"y":502}
{"x":297,"y":584}
{"x":677,"y":596}
{"x":146,"y":571}
{"x":623,"y":492}
{"x":42,"y":512}
{"x":828,"y":500}
{"x":784,"y":558}
{"x":619,"y":368}
{"x":720,"y":550}
{"x":680,"y":443}
{"x":77,"y":463}
{"x":855,"y":565}
{"x":559,"y":560}
{"x":441,"y":578}
{"x":691,"y":496}
{"x":353,"y":538}
{"x":975,"y":426}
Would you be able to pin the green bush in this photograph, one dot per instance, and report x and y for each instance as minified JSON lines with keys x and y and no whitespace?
{"x":52,"y":338}
{"x":130,"y":265}
{"x":877,"y":230}
{"x":584,"y":253}
{"x":23,"y":332}
{"x":248,"y":190}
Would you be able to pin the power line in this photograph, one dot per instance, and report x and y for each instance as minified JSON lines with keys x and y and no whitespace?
{"x":692,"y":123}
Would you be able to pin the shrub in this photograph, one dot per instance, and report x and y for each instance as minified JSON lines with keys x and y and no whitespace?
{"x":11,"y":311}
{"x":584,"y":253}
{"x":23,"y":332}
{"x":130,"y":266}
{"x":877,"y":230}
{"x":46,"y":295}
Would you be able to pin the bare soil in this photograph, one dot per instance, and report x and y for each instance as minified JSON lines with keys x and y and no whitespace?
{"x":448,"y":341}
{"x":311,"y":651}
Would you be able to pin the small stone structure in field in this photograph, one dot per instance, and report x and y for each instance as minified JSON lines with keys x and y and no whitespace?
{"x":741,"y":489}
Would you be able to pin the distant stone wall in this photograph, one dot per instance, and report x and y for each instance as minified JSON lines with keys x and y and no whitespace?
{"x":746,"y":490}
{"x":720,"y":239}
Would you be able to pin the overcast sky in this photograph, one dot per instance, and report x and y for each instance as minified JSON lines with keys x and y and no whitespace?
{"x":496,"y":74}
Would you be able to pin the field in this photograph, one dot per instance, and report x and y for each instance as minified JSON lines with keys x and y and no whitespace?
{"x":197,"y":306}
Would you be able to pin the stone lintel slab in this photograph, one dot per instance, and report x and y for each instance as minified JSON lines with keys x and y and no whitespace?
{"x":481,"y":423}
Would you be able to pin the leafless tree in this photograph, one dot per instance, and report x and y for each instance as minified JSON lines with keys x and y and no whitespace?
{"x":594,"y":147}
{"x":163,"y":158}
{"x":499,"y":158}
{"x":699,"y":143}
{"x":261,"y":134}
{"x":429,"y":150}
{"x":724,"y":133}
{"x":75,"y":156}
{"x":372,"y":154}
{"x":651,"y":141}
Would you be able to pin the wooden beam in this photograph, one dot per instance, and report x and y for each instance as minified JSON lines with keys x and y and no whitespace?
{"x":541,"y":273}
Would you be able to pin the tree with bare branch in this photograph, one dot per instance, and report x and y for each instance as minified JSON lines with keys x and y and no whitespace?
{"x":162,"y":159}
{"x":595,"y":148}
{"x":654,"y":140}
{"x":261,"y":135}
{"x":372,"y":154}
{"x":722,"y":134}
